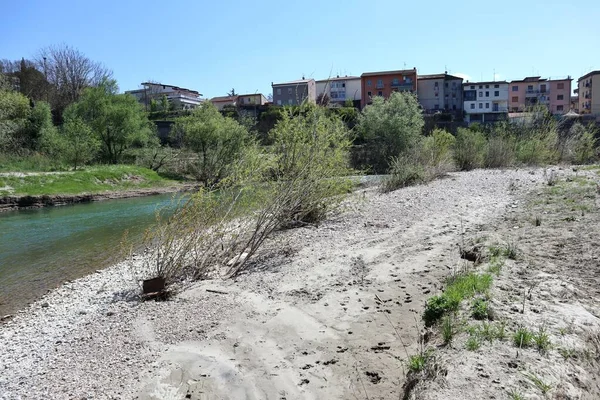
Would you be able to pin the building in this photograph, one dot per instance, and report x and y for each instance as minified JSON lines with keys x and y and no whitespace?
{"x":251,"y":100}
{"x":340,"y":89}
{"x":180,"y":98}
{"x":385,"y":83}
{"x":588,"y":102}
{"x":575,"y":103}
{"x":223,"y":101}
{"x":485,"y":101}
{"x":534,"y":90}
{"x":440,"y":92}
{"x":294,"y":92}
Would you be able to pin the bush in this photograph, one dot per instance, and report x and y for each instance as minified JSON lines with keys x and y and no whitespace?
{"x":583,"y":144}
{"x":500,"y":147}
{"x":480,"y":309}
{"x":389,"y":127}
{"x":436,"y":307}
{"x":537,"y":138}
{"x":436,"y":150}
{"x":405,"y":170}
{"x":469,"y":149}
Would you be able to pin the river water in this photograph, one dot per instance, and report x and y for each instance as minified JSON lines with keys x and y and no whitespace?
{"x":42,"y":248}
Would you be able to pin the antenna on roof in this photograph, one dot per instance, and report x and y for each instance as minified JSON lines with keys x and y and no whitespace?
{"x":494,"y":79}
{"x":405,"y":65}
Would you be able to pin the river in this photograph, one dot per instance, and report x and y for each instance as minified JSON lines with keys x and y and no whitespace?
{"x":42,"y":248}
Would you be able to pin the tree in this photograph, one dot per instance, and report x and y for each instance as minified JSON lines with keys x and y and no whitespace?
{"x":70,"y":72}
{"x":323,"y":99}
{"x":232,"y":92}
{"x":218,"y":141}
{"x":75,"y":143}
{"x":117,"y":120}
{"x":164,"y":104}
{"x":32,"y":82}
{"x":14,"y":111}
{"x":38,"y":123}
{"x":389,"y":127}
{"x":348,"y":103}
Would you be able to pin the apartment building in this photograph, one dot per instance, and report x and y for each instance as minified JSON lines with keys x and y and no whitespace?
{"x":534,"y":90}
{"x":485,"y":101}
{"x":340,"y":89}
{"x":385,"y":83}
{"x":588,"y":102}
{"x":294,"y":92}
{"x":179,"y":97}
{"x":440,"y":92}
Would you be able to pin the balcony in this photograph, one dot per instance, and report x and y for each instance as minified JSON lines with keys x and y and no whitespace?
{"x":587,"y":96}
{"x":402,"y":85}
{"x":379,"y":86}
{"x":588,"y":84}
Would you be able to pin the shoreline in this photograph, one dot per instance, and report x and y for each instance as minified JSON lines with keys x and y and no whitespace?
{"x":16,"y":203}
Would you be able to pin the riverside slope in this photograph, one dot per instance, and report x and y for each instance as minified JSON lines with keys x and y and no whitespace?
{"x":306,"y":324}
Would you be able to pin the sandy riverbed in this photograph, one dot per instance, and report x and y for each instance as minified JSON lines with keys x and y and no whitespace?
{"x":308,"y":325}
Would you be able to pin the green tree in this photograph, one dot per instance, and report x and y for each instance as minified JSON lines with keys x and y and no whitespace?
{"x":164,"y":104}
{"x":389,"y":127}
{"x":81,"y":145}
{"x":218,"y":141}
{"x":14,"y":111}
{"x":38,"y":123}
{"x":117,"y":120}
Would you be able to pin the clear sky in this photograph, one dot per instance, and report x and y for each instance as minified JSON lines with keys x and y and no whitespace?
{"x":213,"y":46}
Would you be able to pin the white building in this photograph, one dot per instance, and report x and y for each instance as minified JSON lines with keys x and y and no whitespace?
{"x":180,"y":98}
{"x":340,"y":89}
{"x":485,"y":101}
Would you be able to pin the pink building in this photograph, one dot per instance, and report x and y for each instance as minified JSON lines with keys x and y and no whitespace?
{"x":531,"y":91}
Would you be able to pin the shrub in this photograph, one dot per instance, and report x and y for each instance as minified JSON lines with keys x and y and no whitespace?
{"x":583,"y":144}
{"x":473,"y":343}
{"x":522,"y":337}
{"x":389,"y":127}
{"x":469,"y":149}
{"x":405,"y":170}
{"x":436,"y":307}
{"x":500,"y":147}
{"x":537,"y":138}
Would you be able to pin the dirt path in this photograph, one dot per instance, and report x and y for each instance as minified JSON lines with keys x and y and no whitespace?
{"x":330,"y":312}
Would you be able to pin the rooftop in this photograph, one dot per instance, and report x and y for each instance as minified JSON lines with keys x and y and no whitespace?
{"x":299,"y":81}
{"x":530,"y":79}
{"x":171,"y":86}
{"x":438,"y":76}
{"x":339,"y":78}
{"x":224,"y":98}
{"x":399,"y":72}
{"x":597,"y":72}
{"x":484,"y":83}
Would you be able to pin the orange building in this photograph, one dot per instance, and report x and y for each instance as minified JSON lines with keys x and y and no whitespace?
{"x":385,"y":83}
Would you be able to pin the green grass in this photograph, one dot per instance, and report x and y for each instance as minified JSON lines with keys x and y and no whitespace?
{"x":418,"y":362}
{"x":480,"y":309}
{"x":473,"y":343}
{"x":459,"y":288}
{"x":96,"y":179}
{"x":32,"y":163}
{"x":448,"y":329}
{"x":522,"y":337}
{"x":542,"y":340}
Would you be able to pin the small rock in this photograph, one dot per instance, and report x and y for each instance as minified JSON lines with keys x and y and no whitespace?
{"x":45,"y":305}
{"x":109,"y":313}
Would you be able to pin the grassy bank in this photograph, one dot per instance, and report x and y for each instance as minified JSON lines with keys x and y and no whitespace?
{"x":92,"y":180}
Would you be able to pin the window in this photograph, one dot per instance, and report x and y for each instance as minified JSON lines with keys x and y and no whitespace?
{"x":515,"y":99}
{"x":435,"y":84}
{"x":279,"y":91}
{"x":480,"y":105}
{"x":543,"y":88}
{"x":480,"y":86}
{"x":560,"y":97}
{"x":515,"y":88}
{"x":496,"y":93}
{"x":290,"y":90}
{"x":470,"y":95}
{"x":530,"y":88}
{"x":487,"y":94}
{"x":487,"y":105}
{"x":369,"y":94}
{"x":559,"y":108}
{"x":290,"y":101}
{"x":379,"y":81}
{"x":368,"y":83}
{"x":497,"y":86}
{"x":437,"y":107}
{"x":560,"y":85}
{"x":480,"y":94}
{"x":395,"y":81}
{"x":278,"y":102}
{"x":380,"y":93}
{"x":436,"y":94}
{"x":446,"y":85}
{"x":472,"y":87}
{"x":487,"y":86}
{"x":472,"y":106}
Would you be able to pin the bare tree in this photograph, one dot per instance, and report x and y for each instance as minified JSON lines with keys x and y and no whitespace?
{"x":69,"y":71}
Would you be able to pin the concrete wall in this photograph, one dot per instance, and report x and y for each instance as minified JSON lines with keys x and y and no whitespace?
{"x":339,"y":89}
{"x":560,"y":96}
{"x":589,"y":105}
{"x":490,"y":97}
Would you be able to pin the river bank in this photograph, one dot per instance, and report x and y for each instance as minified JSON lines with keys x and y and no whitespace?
{"x":333,"y":312}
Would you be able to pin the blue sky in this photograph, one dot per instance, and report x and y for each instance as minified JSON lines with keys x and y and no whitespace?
{"x":213,"y":46}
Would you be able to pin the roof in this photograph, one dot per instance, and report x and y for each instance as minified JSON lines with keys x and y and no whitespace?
{"x":299,"y":81}
{"x":171,"y":86}
{"x":400,"y":72}
{"x":438,"y":76}
{"x":339,"y":78}
{"x":588,"y":75}
{"x":484,"y":83}
{"x":250,"y":94}
{"x":224,"y":98}
{"x":530,"y":79}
